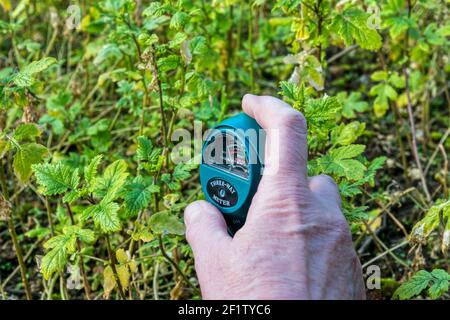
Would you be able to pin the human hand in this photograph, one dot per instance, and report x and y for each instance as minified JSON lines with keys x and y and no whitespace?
{"x":295,"y":244}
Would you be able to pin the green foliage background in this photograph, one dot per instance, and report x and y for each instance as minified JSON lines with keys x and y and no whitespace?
{"x":91,"y":202}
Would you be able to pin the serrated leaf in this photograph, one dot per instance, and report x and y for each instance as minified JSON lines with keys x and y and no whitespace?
{"x":90,"y":172}
{"x":85,"y":235}
{"x":56,"y":259}
{"x":39,"y":66}
{"x":28,"y":155}
{"x":121,"y":256}
{"x":56,"y":178}
{"x":413,"y":286}
{"x":24,"y":78}
{"x":170,"y":200}
{"x":104,"y":215}
{"x":348,"y":189}
{"x":348,"y":168}
{"x":144,"y":149}
{"x":27,"y":131}
{"x":321,"y":113}
{"x":109,"y":185}
{"x":179,"y":19}
{"x":164,"y":223}
{"x":351,"y":26}
{"x":168,"y":63}
{"x":109,"y":281}
{"x":428,"y":223}
{"x":347,"y":134}
{"x":124,"y":276}
{"x":347,"y":152}
{"x":182,"y":171}
{"x":295,"y":94}
{"x":352,"y":104}
{"x":374,"y":166}
{"x":138,"y":195}
{"x":71,"y":196}
{"x":440,"y":284}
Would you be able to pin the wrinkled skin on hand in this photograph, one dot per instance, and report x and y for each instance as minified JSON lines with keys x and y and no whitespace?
{"x":295,"y":244}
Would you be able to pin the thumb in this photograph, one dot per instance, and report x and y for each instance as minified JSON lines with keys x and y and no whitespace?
{"x":206,"y":229}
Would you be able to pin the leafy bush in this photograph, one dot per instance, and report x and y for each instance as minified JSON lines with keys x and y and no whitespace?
{"x":91,"y":95}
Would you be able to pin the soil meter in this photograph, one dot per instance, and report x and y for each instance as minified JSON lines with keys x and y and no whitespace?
{"x":231,"y":168}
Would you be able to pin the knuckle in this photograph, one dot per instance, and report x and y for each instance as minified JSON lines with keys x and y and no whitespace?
{"x":292,"y":118}
{"x":341,"y":225}
{"x":328,"y":179}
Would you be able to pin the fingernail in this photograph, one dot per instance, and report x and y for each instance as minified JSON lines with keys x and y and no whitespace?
{"x":192,"y":212}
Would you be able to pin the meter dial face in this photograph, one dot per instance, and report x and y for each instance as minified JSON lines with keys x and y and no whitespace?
{"x":226,"y":152}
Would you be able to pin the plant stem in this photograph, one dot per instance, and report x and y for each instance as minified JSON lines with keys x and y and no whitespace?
{"x":411,"y":114}
{"x":12,"y":232}
{"x":113,"y":263}
{"x":250,"y":44}
{"x":87,"y":287}
{"x":155,"y":281}
{"x":173,"y":263}
{"x":318,"y":13}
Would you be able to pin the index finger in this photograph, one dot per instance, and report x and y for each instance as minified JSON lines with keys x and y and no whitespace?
{"x":286,"y":135}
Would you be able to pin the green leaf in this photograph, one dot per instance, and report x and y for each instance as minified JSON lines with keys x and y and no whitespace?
{"x":398,"y":25}
{"x":347,"y":134}
{"x":25,"y":78}
{"x":321,"y":113}
{"x":56,"y":259}
{"x":109,"y":185}
{"x":168,"y":63}
{"x":440,"y":284}
{"x":413,"y":286}
{"x":104,"y":215}
{"x":144,"y":149}
{"x":138,"y":194}
{"x":374,"y":166}
{"x":56,"y":178}
{"x":347,"y":152}
{"x":90,"y":172}
{"x":179,"y":19}
{"x":165,"y":223}
{"x":379,"y":76}
{"x":26,"y":156}
{"x":427,"y":224}
{"x":430,"y":222}
{"x":348,"y":189}
{"x":295,"y":94}
{"x":85,"y":235}
{"x":397,"y":81}
{"x":351,"y":25}
{"x":72,"y":196}
{"x":352,"y":104}
{"x":39,"y":66}
{"x":355,"y":215}
{"x":26,"y":132}
{"x":348,"y":168}
{"x":182,"y":171}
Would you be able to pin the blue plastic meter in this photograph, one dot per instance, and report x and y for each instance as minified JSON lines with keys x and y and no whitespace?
{"x":231,"y":168}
